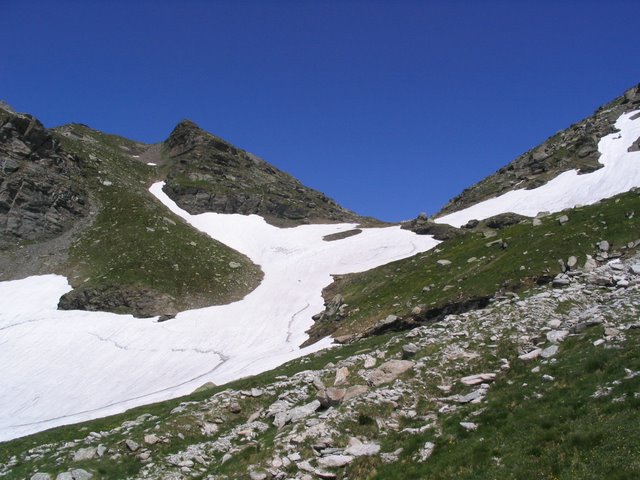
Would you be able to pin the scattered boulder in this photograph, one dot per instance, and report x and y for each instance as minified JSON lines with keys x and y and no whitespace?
{"x":357,"y":448}
{"x":335,"y":461}
{"x":532,"y":355}
{"x":549,"y":351}
{"x":426,"y":451}
{"x":341,"y":376}
{"x":131,"y":445}
{"x":478,"y":379}
{"x":557,"y":336}
{"x":389,"y":371}
{"x":562,"y":219}
{"x":151,"y":439}
{"x":409,"y":350}
{"x":84,"y":454}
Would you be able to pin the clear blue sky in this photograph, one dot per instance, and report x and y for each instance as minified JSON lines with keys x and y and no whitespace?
{"x":389,"y":107}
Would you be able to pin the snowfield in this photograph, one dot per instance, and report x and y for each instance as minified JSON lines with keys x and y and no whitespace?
{"x":61,"y":367}
{"x":621,"y":173}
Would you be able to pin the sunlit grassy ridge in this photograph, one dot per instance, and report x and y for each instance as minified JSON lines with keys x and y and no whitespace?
{"x":481,"y":266}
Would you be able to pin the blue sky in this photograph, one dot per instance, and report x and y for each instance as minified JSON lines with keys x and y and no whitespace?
{"x":391,"y":108}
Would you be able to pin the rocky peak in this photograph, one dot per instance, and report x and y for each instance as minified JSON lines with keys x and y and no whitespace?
{"x":187,"y":136}
{"x":208,"y":174}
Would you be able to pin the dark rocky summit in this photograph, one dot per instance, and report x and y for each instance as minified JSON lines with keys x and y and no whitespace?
{"x":208,"y":174}
{"x":38,"y":196}
{"x":573,"y":148}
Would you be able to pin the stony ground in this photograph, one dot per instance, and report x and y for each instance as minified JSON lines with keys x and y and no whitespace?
{"x":380,"y":403}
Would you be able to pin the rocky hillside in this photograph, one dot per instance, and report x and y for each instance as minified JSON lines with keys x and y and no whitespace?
{"x":208,"y":174}
{"x":39,"y":193}
{"x":449,"y":399}
{"x":573,"y":148}
{"x":74,"y":201}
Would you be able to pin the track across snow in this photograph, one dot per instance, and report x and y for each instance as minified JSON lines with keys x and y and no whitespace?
{"x":620,"y":173}
{"x":61,"y":367}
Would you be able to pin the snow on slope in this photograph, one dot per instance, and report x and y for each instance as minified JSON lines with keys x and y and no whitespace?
{"x":61,"y":367}
{"x":621,"y":173}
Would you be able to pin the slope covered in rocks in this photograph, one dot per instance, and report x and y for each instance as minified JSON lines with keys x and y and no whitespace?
{"x":547,"y":381}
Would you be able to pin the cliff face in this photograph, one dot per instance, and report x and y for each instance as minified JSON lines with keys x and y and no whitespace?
{"x":209,"y":174}
{"x":573,"y":148}
{"x":38,"y":197}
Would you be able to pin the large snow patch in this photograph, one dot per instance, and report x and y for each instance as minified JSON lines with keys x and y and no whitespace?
{"x":620,"y":173}
{"x":60,"y":367}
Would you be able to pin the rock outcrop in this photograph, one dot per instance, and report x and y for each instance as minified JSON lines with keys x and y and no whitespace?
{"x":38,"y":196}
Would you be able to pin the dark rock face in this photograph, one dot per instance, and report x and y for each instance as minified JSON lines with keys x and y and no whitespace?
{"x":142,"y":302}
{"x":207,"y":174}
{"x":497,"y":222}
{"x":38,"y":198}
{"x":573,"y":148}
{"x":426,"y":226}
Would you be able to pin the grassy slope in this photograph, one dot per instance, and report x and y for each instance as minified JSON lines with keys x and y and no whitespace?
{"x":397,"y":287}
{"x":532,"y":429}
{"x":136,"y":241}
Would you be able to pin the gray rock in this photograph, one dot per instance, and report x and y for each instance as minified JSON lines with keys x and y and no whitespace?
{"x":469,"y":426}
{"x":101,"y":450}
{"x":84,"y":454}
{"x":635,"y":269}
{"x":426,"y":451}
{"x":549,"y":351}
{"x":234,"y":407}
{"x":561,"y":280}
{"x":472,"y":397}
{"x":537,"y":222}
{"x":478,"y":379}
{"x":335,"y":461}
{"x":409,"y":350}
{"x":342,"y":374}
{"x":295,"y":414}
{"x":151,"y":439}
{"x":80,"y":474}
{"x":562,"y":219}
{"x":572,"y":262}
{"x":389,"y":371}
{"x":40,"y":476}
{"x":590,"y":264}
{"x":443,"y":263}
{"x":356,"y":448}
{"x":253,"y":475}
{"x":64,"y":476}
{"x":557,"y":336}
{"x":131,"y":445}
{"x":532,"y":355}
{"x":604,"y":246}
